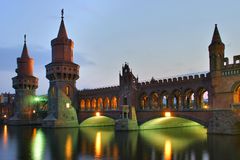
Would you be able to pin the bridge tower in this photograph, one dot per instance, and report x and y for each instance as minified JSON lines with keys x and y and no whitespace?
{"x":25,"y":85}
{"x":216,"y":54}
{"x":62,"y":74}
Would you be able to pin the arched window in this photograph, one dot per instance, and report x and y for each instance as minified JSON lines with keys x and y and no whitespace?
{"x":100,"y":103}
{"x":106,"y":103}
{"x":94,"y":103}
{"x":114,"y":103}
{"x":82,"y":104}
{"x":154,"y":100}
{"x":143,"y":101}
{"x":88,"y":104}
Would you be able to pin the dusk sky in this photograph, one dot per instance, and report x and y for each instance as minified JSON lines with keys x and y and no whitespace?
{"x":158,"y":38}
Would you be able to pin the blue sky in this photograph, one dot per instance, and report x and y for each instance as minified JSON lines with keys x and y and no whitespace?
{"x":158,"y":38}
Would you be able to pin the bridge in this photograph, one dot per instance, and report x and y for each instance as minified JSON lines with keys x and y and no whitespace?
{"x":224,"y":121}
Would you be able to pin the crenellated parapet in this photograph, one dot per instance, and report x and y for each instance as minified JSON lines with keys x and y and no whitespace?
{"x":175,"y":80}
{"x":231,"y":69}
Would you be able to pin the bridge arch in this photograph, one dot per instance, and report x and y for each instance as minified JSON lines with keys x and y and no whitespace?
{"x":98,"y":121}
{"x":171,"y":122}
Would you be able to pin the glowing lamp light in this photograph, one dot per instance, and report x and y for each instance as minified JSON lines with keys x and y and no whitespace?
{"x":5,"y":116}
{"x":205,"y":107}
{"x":67,"y":105}
{"x":97,"y":114}
{"x":167,"y":114}
{"x":34,"y":111}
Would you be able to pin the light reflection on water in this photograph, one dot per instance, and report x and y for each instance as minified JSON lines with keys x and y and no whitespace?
{"x":103,"y":143}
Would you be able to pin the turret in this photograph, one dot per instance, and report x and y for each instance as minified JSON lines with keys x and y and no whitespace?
{"x":25,"y":85}
{"x":216,"y":52}
{"x":62,"y":74}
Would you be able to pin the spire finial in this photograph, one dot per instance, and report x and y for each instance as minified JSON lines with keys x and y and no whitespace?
{"x":62,"y":13}
{"x":25,"y":38}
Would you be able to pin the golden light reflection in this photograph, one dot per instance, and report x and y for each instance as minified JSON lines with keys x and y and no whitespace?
{"x":167,"y":150}
{"x":34,"y":132}
{"x":98,"y":143}
{"x":68,"y":147}
{"x":5,"y":135}
{"x":38,"y":145}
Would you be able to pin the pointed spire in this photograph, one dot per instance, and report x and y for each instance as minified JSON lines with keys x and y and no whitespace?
{"x":216,"y":36}
{"x":62,"y":33}
{"x":25,"y":50}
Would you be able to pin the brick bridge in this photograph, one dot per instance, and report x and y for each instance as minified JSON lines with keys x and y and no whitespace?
{"x":216,"y":121}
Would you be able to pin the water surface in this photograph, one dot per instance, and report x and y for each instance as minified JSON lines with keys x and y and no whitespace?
{"x":104,"y":143}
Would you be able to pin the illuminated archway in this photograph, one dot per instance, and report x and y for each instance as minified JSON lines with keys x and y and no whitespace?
{"x":189,"y":99}
{"x":154,"y":100}
{"x":176,"y":99}
{"x":202,"y":98}
{"x":94,"y":104}
{"x":99,"y":104}
{"x":88,"y":104}
{"x":106,"y":103}
{"x":236,"y":95}
{"x":82,"y":104}
{"x":143,"y":101}
{"x":164,"y":100}
{"x":114,"y":103}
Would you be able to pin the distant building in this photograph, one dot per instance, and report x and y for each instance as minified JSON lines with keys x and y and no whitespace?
{"x":6,"y":105}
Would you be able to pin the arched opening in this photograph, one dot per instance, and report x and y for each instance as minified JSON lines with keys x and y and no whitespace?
{"x":114,"y":103}
{"x":164,"y":100}
{"x":98,"y":121}
{"x":143,"y":101}
{"x":82,"y":104}
{"x":236,"y":95}
{"x":168,"y":122}
{"x":99,"y":104}
{"x":189,"y":99}
{"x":202,"y":99}
{"x":154,"y":101}
{"x":176,"y":99}
{"x":94,"y":104}
{"x":106,"y":103}
{"x":88,"y":104}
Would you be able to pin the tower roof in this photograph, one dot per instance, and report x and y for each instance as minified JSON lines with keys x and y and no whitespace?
{"x":216,"y":36}
{"x":25,"y":50}
{"x":62,"y":33}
